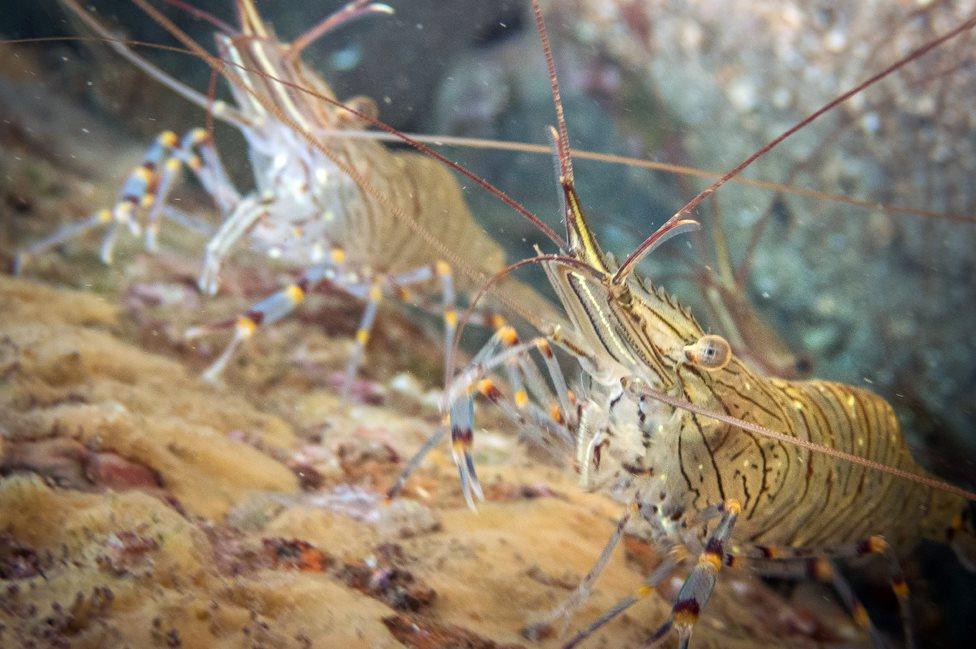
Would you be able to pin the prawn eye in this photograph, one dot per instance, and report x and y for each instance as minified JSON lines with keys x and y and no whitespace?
{"x":709,"y":352}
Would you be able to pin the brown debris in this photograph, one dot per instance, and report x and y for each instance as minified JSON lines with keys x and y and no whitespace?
{"x":296,"y":555}
{"x":385,"y":577}
{"x":502,"y":491}
{"x":18,"y":561}
{"x":309,"y":478}
{"x":419,"y":633}
{"x":127,"y":551}
{"x":368,"y":461}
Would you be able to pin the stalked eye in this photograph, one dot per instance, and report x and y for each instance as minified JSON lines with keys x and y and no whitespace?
{"x":709,"y":352}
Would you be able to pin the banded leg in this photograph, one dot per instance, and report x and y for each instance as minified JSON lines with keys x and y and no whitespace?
{"x":266,"y":312}
{"x":441,"y":270}
{"x":363,"y":332}
{"x":501,"y":350}
{"x":698,"y":586}
{"x":559,"y":417}
{"x":146,"y":187}
{"x":671,"y":562}
{"x":197,"y":151}
{"x":417,"y":276}
{"x":818,"y":564}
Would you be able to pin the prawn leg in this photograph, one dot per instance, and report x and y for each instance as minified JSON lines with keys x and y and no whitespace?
{"x":558,"y":619}
{"x":700,"y":582}
{"x":503,"y":349}
{"x":266,"y":312}
{"x":363,"y":332}
{"x":146,"y":188}
{"x":196,"y":151}
{"x":245,"y":214}
{"x":819,"y":564}
{"x":671,"y":563}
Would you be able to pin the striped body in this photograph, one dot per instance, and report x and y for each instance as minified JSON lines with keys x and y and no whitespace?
{"x":792,"y":496}
{"x":675,"y":463}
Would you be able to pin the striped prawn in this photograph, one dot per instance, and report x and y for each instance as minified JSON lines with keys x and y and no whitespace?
{"x":371,"y":221}
{"x":720,"y":464}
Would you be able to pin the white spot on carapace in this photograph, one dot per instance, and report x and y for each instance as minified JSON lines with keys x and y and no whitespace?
{"x":274,"y":253}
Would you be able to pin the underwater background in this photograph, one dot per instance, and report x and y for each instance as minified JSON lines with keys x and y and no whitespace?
{"x":141,"y":506}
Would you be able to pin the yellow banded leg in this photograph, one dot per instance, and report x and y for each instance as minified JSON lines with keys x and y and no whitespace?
{"x":460,"y":419}
{"x":853,"y":604}
{"x":137,"y":192}
{"x":449,"y":305}
{"x":263,"y":313}
{"x":502,"y":350}
{"x":675,"y":558}
{"x":373,"y":299}
{"x":698,"y":586}
{"x":441,"y":271}
{"x":526,"y":380}
{"x":793,"y":562}
{"x":196,"y":150}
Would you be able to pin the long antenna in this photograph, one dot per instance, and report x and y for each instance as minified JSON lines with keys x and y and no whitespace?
{"x":627,"y":267}
{"x":562,"y":141}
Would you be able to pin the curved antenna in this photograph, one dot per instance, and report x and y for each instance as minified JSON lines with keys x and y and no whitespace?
{"x":348,"y":13}
{"x":569,"y":261}
{"x":653,"y":165}
{"x":629,"y":264}
{"x":541,"y":149}
{"x":200,"y":14}
{"x":566,"y":260}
